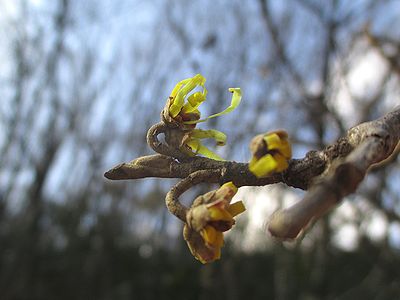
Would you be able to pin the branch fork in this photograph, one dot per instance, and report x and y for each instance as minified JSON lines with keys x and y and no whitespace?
{"x":329,"y":174}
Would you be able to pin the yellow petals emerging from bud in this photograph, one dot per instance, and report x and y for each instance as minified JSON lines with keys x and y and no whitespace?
{"x":192,"y":142}
{"x":210,"y":215}
{"x":182,"y":111}
{"x":177,"y":108}
{"x":236,"y":98}
{"x":271,"y":153}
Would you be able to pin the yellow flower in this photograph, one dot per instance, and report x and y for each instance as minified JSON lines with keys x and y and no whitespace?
{"x":211,"y":215}
{"x":192,"y":145}
{"x":182,"y":111}
{"x":179,"y":111}
{"x":271,"y":152}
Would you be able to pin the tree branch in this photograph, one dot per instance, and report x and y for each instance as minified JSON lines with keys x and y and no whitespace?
{"x":172,"y":197}
{"x":373,"y":142}
{"x":299,"y":173}
{"x":329,"y":174}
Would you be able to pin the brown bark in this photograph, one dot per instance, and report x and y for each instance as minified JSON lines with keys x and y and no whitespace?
{"x":328,"y":175}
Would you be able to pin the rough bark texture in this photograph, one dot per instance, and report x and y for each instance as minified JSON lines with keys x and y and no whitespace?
{"x":328,"y":175}
{"x":372,"y":142}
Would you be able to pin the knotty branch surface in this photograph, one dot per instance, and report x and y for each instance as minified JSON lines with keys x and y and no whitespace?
{"x":373,"y":142}
{"x":328,"y":174}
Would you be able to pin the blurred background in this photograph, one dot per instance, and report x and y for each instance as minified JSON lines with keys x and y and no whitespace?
{"x":82,"y":81}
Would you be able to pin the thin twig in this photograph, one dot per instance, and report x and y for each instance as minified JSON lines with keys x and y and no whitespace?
{"x":172,"y":197}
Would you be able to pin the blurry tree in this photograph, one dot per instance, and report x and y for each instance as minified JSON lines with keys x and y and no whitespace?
{"x":81,"y":82}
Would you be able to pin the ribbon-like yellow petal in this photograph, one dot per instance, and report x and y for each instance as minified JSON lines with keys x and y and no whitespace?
{"x":212,"y":237}
{"x":275,"y":142}
{"x":218,"y":136}
{"x":200,"y":249}
{"x":230,"y":185}
{"x":218,"y":214}
{"x":194,"y":102}
{"x":263,"y":166}
{"x":236,"y":208}
{"x":178,"y":86}
{"x":181,"y":90}
{"x":236,"y":98}
{"x":198,"y":148}
{"x":219,"y":242}
{"x":286,"y":149}
{"x":209,"y":234}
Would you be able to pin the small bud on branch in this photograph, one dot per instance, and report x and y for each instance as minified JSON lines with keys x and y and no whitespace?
{"x":328,"y":175}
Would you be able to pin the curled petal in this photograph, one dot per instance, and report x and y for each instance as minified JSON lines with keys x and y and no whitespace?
{"x":218,"y":136}
{"x":180,"y":92}
{"x":194,"y":101}
{"x":263,"y":166}
{"x":212,"y":237}
{"x":178,"y":87}
{"x":192,"y":141}
{"x":198,"y":246}
{"x":181,"y":112}
{"x":236,"y":98}
{"x":236,"y":208}
{"x":225,"y":193}
{"x":275,"y":142}
{"x":218,"y":214}
{"x":271,"y":153}
{"x":198,"y":148}
{"x":210,"y":215}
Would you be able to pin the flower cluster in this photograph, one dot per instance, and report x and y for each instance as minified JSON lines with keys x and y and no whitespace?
{"x":182,"y":111}
{"x":271,"y":152}
{"x":210,"y":215}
